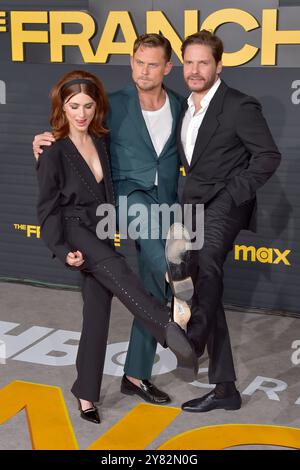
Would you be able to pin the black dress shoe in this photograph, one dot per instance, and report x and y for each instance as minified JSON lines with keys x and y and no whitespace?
{"x":147,"y":391}
{"x":211,"y":402}
{"x":183,"y":349}
{"x":177,"y":255}
{"x":91,"y":414}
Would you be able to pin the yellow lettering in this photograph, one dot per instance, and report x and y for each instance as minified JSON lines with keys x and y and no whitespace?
{"x":271,"y":37}
{"x":182,"y":171}
{"x":157,"y":22}
{"x":131,"y":433}
{"x":59,"y":39}
{"x":230,"y":435}
{"x":51,"y":429}
{"x":48,"y":419}
{"x":245,"y":250}
{"x":117,"y":239}
{"x":264,"y":255}
{"x":33,"y":230}
{"x":190,"y":22}
{"x":282,"y":257}
{"x":244,"y":19}
{"x":107,"y":45}
{"x":19,"y":36}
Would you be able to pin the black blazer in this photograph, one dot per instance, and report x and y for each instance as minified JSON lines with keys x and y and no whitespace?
{"x":234,"y":149}
{"x":68,"y":188}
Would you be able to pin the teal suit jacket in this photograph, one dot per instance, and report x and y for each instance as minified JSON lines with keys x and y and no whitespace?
{"x":133,"y":158}
{"x":134,"y":165}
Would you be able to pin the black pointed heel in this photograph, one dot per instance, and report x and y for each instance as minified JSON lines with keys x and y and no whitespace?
{"x":91,"y":414}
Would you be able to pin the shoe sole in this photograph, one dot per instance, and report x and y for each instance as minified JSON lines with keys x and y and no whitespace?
{"x":82,"y":416}
{"x":125,"y":391}
{"x":181,"y":319}
{"x":227,"y":408}
{"x":187,"y":362}
{"x":212,"y":409}
{"x":175,"y":252}
{"x":184,"y":289}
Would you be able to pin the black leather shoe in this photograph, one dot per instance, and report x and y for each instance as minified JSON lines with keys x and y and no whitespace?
{"x":91,"y":414}
{"x":211,"y":402}
{"x":183,"y":349}
{"x":177,"y":255}
{"x":147,"y":391}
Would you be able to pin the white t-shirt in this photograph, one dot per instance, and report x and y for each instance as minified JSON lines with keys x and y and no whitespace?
{"x":159,"y":125}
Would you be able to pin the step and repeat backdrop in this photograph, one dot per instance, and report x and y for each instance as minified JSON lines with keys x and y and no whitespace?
{"x":41,"y":40}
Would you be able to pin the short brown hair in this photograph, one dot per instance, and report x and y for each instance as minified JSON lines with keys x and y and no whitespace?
{"x":154,"y":40}
{"x":205,"y":38}
{"x":62,"y":91}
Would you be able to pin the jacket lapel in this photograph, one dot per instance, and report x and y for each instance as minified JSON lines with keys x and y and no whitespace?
{"x":174,"y":113}
{"x":81,"y":168}
{"x":101,"y":148}
{"x":178,"y":137}
{"x":209,"y":124}
{"x":135,"y":114}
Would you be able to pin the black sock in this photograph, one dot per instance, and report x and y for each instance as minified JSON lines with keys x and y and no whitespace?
{"x":225,"y":389}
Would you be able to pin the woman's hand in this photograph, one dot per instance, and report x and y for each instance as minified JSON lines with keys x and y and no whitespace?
{"x":74,"y":258}
{"x":39,"y":140}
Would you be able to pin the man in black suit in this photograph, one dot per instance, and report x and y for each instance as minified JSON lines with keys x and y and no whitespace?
{"x":228,"y":153}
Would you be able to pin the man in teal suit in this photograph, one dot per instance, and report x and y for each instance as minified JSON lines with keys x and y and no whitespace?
{"x":145,"y":168}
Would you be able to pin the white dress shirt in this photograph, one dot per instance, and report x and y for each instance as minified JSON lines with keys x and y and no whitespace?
{"x":192,"y":122}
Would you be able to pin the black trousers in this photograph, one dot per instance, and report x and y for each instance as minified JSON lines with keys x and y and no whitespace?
{"x":207,"y":326}
{"x":105,"y":271}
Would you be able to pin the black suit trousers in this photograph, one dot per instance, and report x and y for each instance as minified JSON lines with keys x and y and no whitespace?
{"x":223,"y":220}
{"x":106,"y":273}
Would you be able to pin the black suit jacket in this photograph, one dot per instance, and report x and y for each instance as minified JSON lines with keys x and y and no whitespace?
{"x":67,"y":187}
{"x":234,"y":149}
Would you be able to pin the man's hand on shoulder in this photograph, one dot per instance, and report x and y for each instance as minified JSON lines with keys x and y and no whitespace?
{"x":39,"y":140}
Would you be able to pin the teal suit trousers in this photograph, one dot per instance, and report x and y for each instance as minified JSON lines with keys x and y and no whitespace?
{"x":152,"y":270}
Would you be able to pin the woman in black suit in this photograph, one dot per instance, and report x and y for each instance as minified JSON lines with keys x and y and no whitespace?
{"x":75,"y":181}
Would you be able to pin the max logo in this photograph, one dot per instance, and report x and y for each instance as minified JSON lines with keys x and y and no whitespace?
{"x":130,"y":433}
{"x":262,"y":255}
